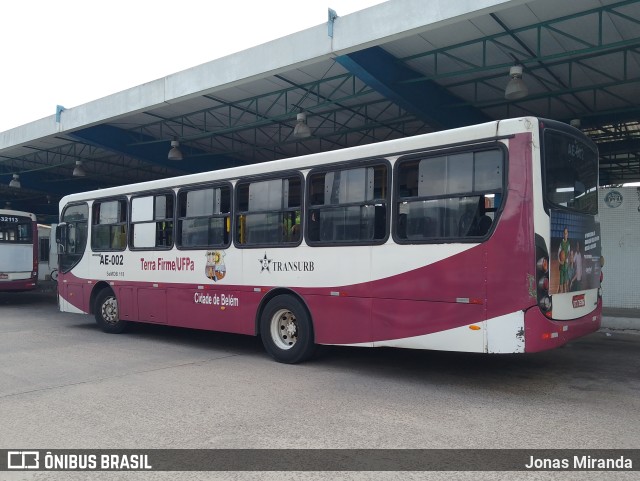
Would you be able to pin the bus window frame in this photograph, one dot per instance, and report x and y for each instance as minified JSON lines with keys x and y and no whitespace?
{"x":130,"y":222}
{"x":236,"y":212}
{"x":473,"y":148}
{"x":104,"y":200}
{"x":351,"y":165}
{"x":195,"y":187}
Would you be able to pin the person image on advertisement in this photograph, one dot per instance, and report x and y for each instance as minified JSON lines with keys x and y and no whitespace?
{"x":563,"y":261}
{"x":576,"y":281}
{"x":570,"y":271}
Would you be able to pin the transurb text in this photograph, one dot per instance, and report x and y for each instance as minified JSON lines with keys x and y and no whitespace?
{"x":307,"y":266}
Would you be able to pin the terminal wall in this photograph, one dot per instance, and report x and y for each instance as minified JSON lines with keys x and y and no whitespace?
{"x":620,"y":231}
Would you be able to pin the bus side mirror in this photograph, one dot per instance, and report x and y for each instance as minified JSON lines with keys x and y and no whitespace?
{"x":61,"y":236}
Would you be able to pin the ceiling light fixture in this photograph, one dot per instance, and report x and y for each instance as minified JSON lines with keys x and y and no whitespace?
{"x":301,"y":130}
{"x":516,"y":88}
{"x":15,"y":182}
{"x":79,"y":171}
{"x":175,"y":153}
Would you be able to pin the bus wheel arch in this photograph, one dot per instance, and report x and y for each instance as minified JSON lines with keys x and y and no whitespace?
{"x":104,"y":306}
{"x":285,"y":325}
{"x":99,"y":287}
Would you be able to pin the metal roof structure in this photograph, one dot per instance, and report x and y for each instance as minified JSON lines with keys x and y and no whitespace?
{"x":399,"y":68}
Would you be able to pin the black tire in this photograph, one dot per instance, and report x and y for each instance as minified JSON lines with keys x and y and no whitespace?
{"x":286,"y":330}
{"x":106,"y":312}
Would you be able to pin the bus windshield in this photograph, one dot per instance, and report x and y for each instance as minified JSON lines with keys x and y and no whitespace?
{"x":571,"y":172}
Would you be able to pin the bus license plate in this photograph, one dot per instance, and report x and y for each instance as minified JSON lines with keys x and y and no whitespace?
{"x":578,"y":301}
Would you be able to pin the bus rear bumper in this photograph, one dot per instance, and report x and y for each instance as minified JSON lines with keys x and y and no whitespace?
{"x":542,"y":334}
{"x":18,"y":285}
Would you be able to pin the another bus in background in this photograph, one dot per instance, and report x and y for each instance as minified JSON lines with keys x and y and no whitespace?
{"x":47,"y":253}
{"x":18,"y":250}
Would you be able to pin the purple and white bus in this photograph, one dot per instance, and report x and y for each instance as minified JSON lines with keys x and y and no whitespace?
{"x":460,"y":240}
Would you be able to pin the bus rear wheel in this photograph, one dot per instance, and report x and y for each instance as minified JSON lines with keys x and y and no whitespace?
{"x":286,"y":330}
{"x":106,"y":312}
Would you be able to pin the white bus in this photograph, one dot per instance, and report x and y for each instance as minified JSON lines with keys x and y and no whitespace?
{"x":18,"y":250}
{"x":461,"y":240}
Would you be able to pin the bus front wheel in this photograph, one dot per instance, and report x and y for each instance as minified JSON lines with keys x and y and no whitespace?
{"x":106,"y":312}
{"x":286,"y":330}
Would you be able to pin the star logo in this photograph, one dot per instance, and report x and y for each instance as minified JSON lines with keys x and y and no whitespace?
{"x":265,"y":262}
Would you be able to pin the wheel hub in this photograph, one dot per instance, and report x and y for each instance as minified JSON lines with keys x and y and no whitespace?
{"x":290,"y":328}
{"x":284,"y":329}
{"x":110,"y":310}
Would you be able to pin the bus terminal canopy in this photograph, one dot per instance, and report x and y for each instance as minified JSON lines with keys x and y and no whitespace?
{"x":400,"y":68}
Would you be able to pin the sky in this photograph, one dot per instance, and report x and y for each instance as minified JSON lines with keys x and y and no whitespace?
{"x":70,"y":52}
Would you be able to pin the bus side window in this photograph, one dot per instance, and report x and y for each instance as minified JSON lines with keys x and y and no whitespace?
{"x":349,"y":205}
{"x":267,"y":211}
{"x":453,"y":189}
{"x":295,"y":230}
{"x":314,"y":225}
{"x":109,"y":225}
{"x":476,"y":222}
{"x":119,"y":238}
{"x":402,"y":226}
{"x":203,"y":218}
{"x":484,"y":224}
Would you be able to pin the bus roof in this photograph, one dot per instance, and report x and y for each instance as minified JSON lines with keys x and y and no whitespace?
{"x":8,"y":212}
